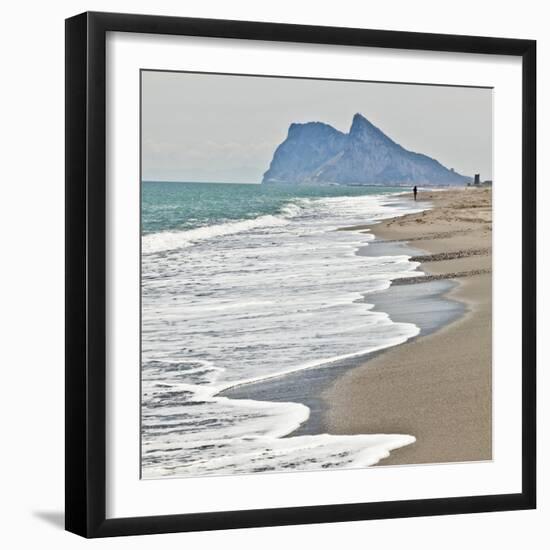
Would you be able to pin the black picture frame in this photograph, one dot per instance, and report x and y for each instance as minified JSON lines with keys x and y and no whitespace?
{"x":86,"y":274}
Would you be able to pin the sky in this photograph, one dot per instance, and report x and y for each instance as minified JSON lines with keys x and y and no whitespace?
{"x":225,"y":128}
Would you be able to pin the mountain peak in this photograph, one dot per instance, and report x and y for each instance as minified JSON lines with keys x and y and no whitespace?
{"x":298,"y":128}
{"x":359,"y":120}
{"x":362,"y":127}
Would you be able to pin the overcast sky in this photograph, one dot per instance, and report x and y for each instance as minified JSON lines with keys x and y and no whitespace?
{"x":218,"y":128}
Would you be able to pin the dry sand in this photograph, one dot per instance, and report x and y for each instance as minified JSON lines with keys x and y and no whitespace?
{"x":435,"y":387}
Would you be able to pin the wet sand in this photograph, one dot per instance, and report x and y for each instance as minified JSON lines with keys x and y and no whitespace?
{"x":437,"y":386}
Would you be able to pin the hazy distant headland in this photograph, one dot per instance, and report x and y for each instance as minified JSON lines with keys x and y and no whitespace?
{"x":315,"y":152}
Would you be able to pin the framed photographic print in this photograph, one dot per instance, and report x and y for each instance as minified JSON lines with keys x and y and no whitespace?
{"x":300,"y":274}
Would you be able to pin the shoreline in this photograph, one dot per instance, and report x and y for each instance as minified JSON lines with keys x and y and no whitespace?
{"x":308,"y":385}
{"x":436,"y":386}
{"x":371,"y":394}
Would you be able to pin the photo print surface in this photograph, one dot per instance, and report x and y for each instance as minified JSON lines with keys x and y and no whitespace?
{"x":315,"y":274}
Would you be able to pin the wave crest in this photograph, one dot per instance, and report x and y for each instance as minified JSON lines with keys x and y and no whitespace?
{"x":166,"y":241}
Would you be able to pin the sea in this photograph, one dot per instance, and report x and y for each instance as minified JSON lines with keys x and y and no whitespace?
{"x":242,"y":283}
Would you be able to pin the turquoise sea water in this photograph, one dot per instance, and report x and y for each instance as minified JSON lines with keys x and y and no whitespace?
{"x":242,"y":283}
{"x":180,"y":206}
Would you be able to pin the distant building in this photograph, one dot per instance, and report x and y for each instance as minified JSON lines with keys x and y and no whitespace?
{"x":476,"y":179}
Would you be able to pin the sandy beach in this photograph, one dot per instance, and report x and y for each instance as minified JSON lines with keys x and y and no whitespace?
{"x":436,"y":387}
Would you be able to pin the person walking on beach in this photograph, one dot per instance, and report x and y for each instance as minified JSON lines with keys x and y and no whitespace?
{"x":415,"y":191}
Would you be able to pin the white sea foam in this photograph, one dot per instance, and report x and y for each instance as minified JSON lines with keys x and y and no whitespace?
{"x":233,"y":303}
{"x":165,"y":241}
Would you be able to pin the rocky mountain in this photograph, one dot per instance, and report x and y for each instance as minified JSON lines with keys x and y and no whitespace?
{"x":317,"y":152}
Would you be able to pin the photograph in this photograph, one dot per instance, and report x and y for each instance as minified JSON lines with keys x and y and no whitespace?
{"x":316,"y":274}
